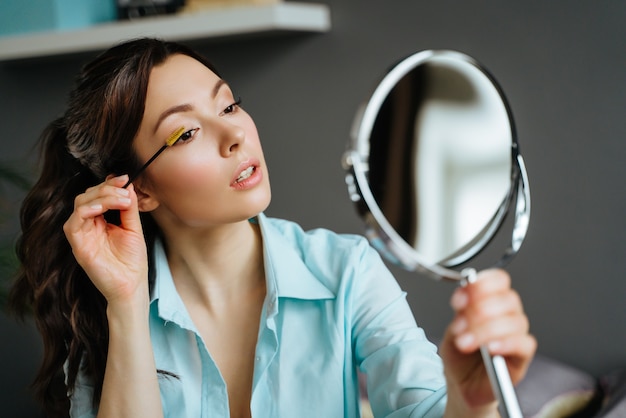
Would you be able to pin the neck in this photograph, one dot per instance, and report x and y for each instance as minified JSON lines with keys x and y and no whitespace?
{"x":217,"y":266}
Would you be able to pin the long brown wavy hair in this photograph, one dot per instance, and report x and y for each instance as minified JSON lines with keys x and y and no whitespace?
{"x":94,"y":138}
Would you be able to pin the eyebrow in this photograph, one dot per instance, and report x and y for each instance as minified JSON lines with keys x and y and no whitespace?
{"x":186,"y":107}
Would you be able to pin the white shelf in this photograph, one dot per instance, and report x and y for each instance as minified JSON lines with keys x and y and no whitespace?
{"x":212,"y":23}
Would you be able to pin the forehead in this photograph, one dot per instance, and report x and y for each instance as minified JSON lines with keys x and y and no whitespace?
{"x":176,"y":76}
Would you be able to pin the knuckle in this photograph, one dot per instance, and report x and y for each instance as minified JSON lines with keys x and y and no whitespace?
{"x":513,"y":302}
{"x":66,"y":228}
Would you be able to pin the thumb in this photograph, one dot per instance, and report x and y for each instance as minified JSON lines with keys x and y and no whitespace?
{"x":129,"y":218}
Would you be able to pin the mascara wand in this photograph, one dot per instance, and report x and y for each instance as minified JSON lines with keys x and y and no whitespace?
{"x":173,"y":138}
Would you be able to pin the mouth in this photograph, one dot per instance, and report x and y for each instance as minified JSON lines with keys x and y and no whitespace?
{"x":245,"y":174}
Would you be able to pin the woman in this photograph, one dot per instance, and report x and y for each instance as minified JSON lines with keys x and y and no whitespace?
{"x":176,"y":296}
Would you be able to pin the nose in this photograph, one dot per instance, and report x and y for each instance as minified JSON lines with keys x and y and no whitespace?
{"x":230,"y":136}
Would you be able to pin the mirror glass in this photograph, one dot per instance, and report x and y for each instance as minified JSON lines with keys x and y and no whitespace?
{"x":434,"y":164}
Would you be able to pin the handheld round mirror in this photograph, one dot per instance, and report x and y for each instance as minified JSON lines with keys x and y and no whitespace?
{"x":434,"y":165}
{"x":434,"y":169}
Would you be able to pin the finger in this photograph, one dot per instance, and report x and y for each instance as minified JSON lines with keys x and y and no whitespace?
{"x":89,"y":206}
{"x":490,"y":281}
{"x":469,"y":337}
{"x":111,"y":180}
{"x":101,"y":189}
{"x":83,"y":220}
{"x":492,"y":307}
{"x":129,"y":216}
{"x":516,"y":345}
{"x":86,"y":207}
{"x":502,"y":327}
{"x":518,"y":352}
{"x":474,"y":312}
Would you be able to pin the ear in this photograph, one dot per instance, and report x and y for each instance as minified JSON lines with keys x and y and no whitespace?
{"x":145,"y":201}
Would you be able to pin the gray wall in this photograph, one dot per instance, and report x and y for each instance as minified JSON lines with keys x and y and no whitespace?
{"x":563,"y":67}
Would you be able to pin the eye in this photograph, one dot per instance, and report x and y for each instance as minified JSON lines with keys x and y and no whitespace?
{"x":231,"y":108}
{"x":187,"y":135}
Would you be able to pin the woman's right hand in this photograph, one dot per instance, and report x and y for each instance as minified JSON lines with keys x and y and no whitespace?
{"x":114,"y":257}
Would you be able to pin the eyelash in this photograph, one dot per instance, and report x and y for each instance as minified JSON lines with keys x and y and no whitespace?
{"x":187,"y":135}
{"x":231,"y":108}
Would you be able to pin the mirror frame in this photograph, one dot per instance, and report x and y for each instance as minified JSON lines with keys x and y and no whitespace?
{"x":379,"y":231}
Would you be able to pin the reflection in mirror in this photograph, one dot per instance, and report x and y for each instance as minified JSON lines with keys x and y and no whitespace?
{"x":443,"y":138}
{"x":462,"y":167}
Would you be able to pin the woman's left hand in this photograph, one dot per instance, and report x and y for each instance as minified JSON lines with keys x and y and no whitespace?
{"x":490,"y":313}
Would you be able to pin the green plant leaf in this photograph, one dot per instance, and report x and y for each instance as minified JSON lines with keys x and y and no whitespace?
{"x":10,"y":175}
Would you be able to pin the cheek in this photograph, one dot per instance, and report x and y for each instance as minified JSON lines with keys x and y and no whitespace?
{"x":189,"y":172}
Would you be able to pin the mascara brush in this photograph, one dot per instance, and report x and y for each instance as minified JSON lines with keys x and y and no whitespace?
{"x":171,"y":140}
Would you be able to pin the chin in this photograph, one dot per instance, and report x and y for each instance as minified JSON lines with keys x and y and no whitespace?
{"x":262,"y":205}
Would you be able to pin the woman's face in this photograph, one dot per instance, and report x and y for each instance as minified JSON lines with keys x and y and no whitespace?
{"x":216,"y":173}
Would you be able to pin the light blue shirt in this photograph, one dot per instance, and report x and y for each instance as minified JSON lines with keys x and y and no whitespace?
{"x":332,"y":307}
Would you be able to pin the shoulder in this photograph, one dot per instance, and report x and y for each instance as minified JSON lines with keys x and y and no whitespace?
{"x":320,"y":242}
{"x":337,"y":261}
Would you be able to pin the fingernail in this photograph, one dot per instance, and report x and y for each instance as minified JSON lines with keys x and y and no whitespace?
{"x":123,"y":192}
{"x":124,"y":199}
{"x":465,"y":341}
{"x":459,"y":300}
{"x":494,"y":346}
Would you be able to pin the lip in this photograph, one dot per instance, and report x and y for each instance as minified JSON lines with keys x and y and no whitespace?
{"x":251,"y":181}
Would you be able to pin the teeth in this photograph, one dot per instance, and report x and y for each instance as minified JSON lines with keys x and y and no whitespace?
{"x":245,"y":174}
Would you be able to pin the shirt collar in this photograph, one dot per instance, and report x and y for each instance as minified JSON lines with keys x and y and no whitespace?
{"x":286,"y":273}
{"x":285,"y":268}
{"x":163,"y":281}
{"x":169,"y":304}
